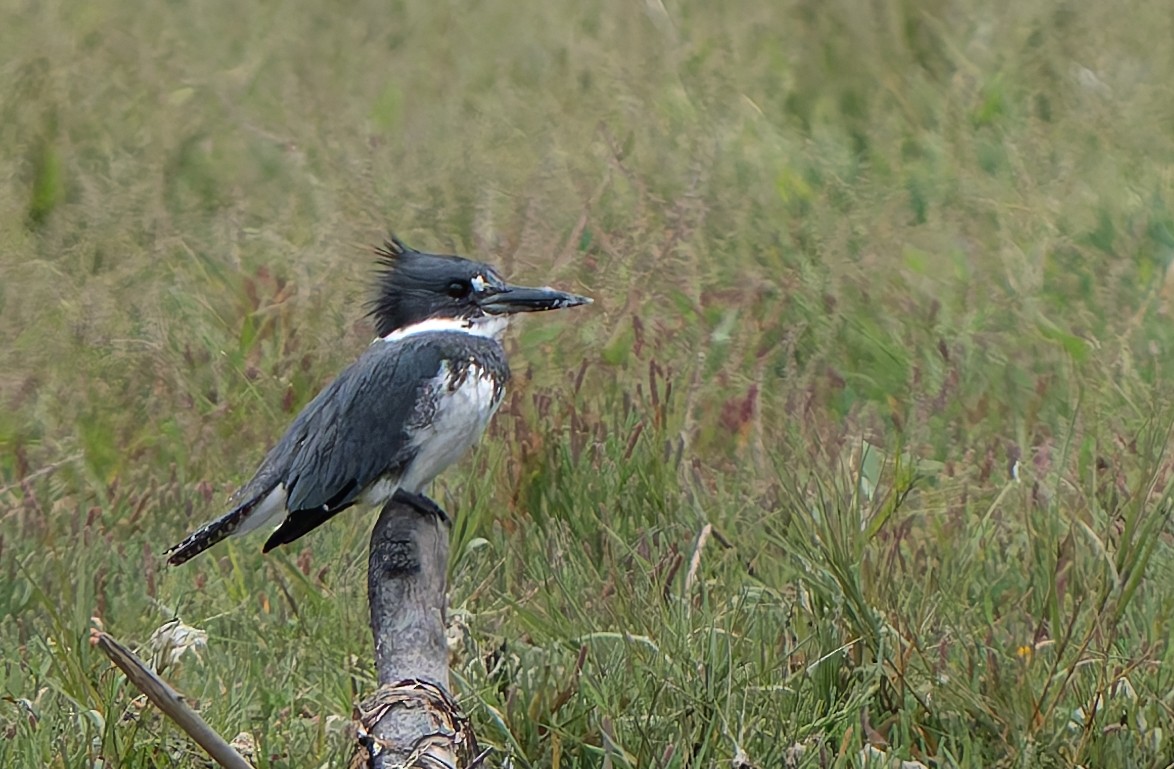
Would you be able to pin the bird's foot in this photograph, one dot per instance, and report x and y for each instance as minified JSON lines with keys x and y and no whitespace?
{"x":422,"y":505}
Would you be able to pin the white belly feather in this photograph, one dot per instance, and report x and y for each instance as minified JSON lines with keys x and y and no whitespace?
{"x":460,"y":418}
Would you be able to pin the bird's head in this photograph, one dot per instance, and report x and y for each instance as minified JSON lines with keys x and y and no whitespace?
{"x":414,"y":287}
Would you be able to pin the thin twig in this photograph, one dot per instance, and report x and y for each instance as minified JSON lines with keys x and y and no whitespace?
{"x":46,"y":470}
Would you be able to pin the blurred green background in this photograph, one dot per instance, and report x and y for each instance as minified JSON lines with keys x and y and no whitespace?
{"x":859,"y":456}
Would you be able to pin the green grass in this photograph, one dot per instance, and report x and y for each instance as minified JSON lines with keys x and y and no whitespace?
{"x":853,"y":263}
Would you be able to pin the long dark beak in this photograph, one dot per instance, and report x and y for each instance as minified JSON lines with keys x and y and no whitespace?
{"x":513,"y":299}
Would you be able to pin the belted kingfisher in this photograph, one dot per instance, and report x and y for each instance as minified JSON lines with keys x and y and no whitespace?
{"x":410,"y":406}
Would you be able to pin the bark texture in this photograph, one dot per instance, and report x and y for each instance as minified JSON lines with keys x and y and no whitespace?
{"x":410,"y":721}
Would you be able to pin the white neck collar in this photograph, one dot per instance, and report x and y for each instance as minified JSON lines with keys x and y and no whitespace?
{"x":488,"y":326}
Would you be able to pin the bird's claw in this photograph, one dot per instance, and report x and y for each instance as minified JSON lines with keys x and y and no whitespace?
{"x":422,"y":505}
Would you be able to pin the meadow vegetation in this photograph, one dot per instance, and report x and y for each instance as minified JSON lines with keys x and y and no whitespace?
{"x":864,"y":443}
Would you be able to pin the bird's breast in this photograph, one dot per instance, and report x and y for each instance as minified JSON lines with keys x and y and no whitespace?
{"x":464,"y":396}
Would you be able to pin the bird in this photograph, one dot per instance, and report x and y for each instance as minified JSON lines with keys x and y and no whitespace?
{"x":411,"y":405}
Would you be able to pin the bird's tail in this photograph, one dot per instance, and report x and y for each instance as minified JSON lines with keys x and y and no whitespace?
{"x":210,"y":533}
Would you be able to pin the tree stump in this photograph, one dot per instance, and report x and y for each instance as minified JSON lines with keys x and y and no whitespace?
{"x":410,"y":720}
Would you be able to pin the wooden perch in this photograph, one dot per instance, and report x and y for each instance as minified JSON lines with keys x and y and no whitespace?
{"x":411,"y":721}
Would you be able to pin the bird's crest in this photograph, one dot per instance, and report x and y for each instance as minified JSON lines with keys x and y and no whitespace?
{"x":391,"y":250}
{"x":382,"y":308}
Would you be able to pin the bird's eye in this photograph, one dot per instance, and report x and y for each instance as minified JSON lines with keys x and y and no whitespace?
{"x":459,"y":289}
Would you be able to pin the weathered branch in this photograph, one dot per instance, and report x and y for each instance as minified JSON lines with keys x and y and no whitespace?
{"x":410,"y":721}
{"x":169,"y":701}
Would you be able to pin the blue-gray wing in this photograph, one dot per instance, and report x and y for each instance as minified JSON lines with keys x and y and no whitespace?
{"x":355,"y":432}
